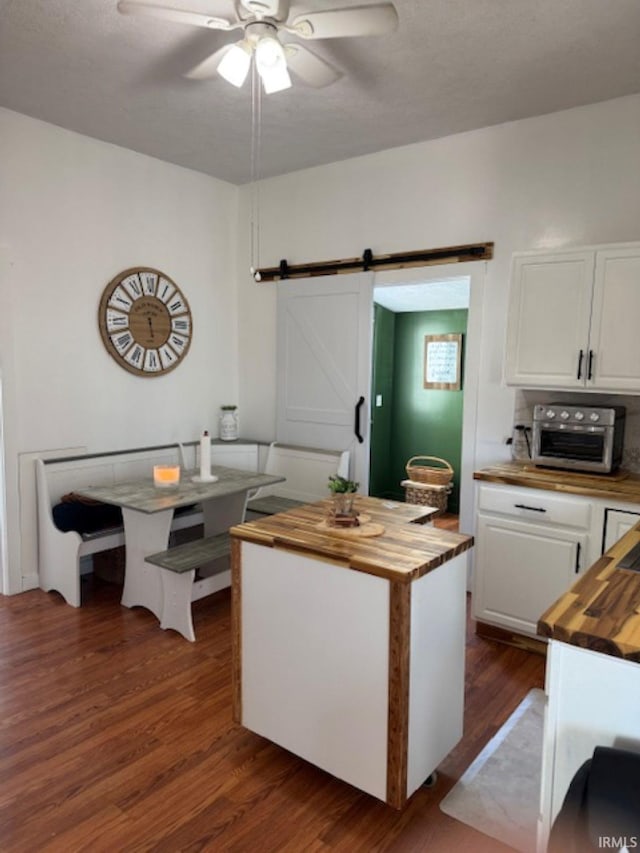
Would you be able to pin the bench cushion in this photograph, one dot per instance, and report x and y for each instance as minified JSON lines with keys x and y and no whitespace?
{"x":272,"y":504}
{"x":86,"y":517}
{"x":93,"y":519}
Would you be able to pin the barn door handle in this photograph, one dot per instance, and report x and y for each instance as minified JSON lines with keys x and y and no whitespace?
{"x":356,"y":426}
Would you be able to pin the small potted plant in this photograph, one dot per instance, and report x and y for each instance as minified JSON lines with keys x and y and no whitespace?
{"x":343,"y":493}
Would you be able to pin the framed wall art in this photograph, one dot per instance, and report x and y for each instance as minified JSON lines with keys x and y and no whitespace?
{"x":442,"y":362}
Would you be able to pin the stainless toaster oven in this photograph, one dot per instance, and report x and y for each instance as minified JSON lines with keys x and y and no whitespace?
{"x":578,"y":438}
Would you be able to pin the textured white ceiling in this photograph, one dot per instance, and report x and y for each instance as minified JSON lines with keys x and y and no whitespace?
{"x":453,"y":65}
{"x":431,"y":296}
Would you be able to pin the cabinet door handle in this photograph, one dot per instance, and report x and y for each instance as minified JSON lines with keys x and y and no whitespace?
{"x":577,"y":557}
{"x":532,"y":508}
{"x":590,"y":367}
{"x":580,"y":359}
{"x":356,"y":425}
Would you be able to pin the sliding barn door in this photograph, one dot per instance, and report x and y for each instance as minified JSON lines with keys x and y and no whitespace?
{"x":324,"y":365}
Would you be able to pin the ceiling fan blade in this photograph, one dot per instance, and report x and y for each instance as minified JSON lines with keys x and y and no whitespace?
{"x":310,"y":68}
{"x":209,"y":66}
{"x":177,"y":16}
{"x":338,"y":23}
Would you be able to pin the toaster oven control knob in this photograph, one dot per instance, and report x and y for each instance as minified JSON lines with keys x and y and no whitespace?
{"x":579,"y":416}
{"x":550,"y":413}
{"x":564,"y":414}
{"x":594,"y":416}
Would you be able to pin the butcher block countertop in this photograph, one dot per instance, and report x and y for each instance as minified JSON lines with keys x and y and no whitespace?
{"x":621,"y":486}
{"x":601,"y":611}
{"x":405,"y":551}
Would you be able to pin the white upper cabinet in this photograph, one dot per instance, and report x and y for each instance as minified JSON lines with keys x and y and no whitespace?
{"x":572,"y":320}
{"x":615,"y":338}
{"x":548,"y":321}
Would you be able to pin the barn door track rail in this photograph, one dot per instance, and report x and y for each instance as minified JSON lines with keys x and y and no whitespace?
{"x":369,"y":261}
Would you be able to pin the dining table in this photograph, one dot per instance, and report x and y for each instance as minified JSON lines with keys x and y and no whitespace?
{"x":148,"y":511}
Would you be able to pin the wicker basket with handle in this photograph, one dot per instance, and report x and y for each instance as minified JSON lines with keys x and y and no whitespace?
{"x":427,"y":473}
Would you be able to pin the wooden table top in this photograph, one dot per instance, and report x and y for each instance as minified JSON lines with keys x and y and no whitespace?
{"x":620,"y":486}
{"x":142,"y":495}
{"x":404,"y":552}
{"x":601,"y":611}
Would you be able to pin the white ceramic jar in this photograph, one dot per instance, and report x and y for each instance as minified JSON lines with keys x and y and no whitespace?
{"x":229,"y":424}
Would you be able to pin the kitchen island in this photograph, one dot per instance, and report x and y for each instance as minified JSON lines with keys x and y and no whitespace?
{"x":593,"y":671}
{"x":348,"y":648}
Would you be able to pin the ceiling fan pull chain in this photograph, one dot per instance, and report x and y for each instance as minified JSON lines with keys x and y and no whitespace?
{"x":256,"y":133}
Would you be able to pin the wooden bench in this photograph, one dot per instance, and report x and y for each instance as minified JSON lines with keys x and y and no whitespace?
{"x":190,"y":572}
{"x":60,"y":553}
{"x":307,"y":470}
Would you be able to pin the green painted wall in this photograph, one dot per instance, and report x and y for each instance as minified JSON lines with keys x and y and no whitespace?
{"x":422,"y":422}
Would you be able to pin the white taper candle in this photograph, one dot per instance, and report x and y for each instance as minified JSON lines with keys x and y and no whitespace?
{"x":205,"y":456}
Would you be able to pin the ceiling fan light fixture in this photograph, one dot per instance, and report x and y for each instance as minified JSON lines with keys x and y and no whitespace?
{"x":276,"y":81}
{"x":272,"y":65}
{"x":235,"y":64}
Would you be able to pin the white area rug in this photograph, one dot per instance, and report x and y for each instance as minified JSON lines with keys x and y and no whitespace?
{"x":499,"y":793}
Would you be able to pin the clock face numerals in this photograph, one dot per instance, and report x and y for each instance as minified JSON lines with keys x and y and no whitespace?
{"x":145,"y":321}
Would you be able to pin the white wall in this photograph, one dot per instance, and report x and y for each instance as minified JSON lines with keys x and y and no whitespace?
{"x":564,"y":179}
{"x":73,"y":213}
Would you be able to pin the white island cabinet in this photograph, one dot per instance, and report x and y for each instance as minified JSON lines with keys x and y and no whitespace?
{"x":349,"y":652}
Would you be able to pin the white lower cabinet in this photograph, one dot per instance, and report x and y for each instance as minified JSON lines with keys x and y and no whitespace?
{"x":521,"y":569}
{"x":616,"y":523}
{"x":530,"y":546}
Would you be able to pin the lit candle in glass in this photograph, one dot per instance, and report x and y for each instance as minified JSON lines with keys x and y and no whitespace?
{"x":165,"y":476}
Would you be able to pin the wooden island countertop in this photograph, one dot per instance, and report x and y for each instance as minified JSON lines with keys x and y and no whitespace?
{"x":601,"y":611}
{"x":621,"y":487}
{"x":405,"y":551}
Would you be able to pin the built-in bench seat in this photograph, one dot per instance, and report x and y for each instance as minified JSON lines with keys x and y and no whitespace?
{"x":307,"y":471}
{"x":60,"y":552}
{"x":190,"y":572}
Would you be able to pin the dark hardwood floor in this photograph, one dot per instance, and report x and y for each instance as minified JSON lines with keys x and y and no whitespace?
{"x":117,"y":736}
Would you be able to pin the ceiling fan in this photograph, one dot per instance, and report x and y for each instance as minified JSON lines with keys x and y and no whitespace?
{"x":263,"y":21}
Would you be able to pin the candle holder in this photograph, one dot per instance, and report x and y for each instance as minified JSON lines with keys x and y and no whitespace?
{"x":166,"y":476}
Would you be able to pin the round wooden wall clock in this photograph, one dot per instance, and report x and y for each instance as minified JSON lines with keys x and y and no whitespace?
{"x":145,"y":321}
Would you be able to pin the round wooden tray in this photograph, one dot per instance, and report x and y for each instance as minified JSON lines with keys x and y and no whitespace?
{"x":365,"y":529}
